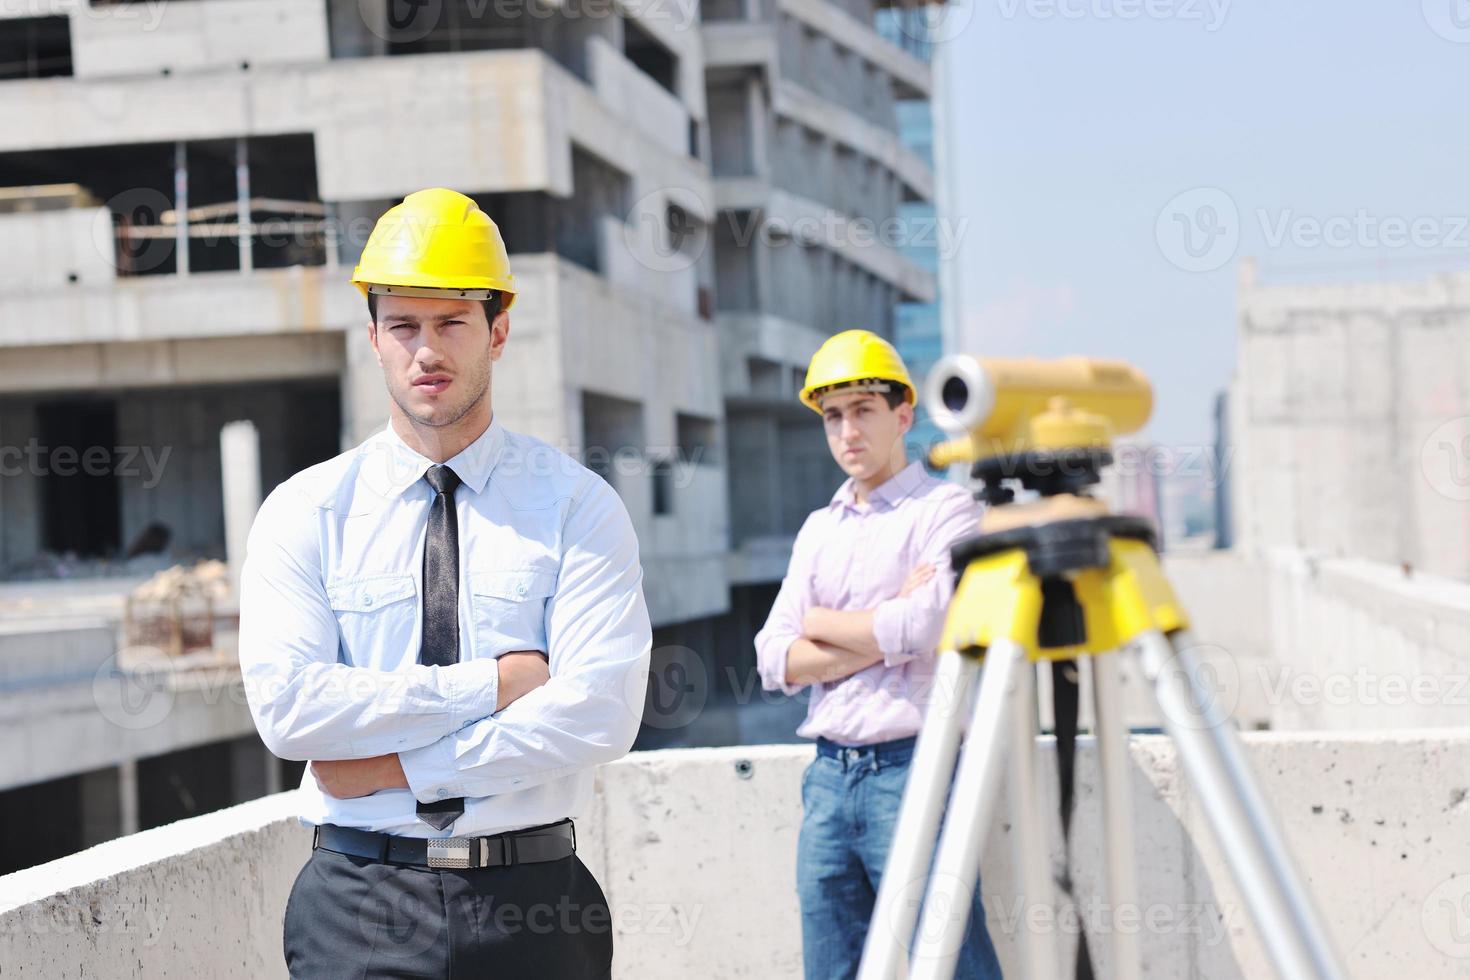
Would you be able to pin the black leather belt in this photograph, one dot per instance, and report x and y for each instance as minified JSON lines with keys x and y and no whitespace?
{"x":551,"y":842}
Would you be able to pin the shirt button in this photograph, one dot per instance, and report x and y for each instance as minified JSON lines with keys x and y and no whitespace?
{"x":443,"y":793}
{"x":367,"y":600}
{"x":521,"y":590}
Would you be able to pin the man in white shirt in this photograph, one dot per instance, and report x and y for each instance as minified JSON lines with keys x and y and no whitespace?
{"x":448,"y":622}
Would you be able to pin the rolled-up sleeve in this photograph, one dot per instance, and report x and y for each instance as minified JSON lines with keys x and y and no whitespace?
{"x":909,"y":626}
{"x":306,"y":703}
{"x":598,"y":638}
{"x":784,"y":624}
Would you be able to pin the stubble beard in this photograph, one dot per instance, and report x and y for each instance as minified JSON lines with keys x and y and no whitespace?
{"x":477,"y":382}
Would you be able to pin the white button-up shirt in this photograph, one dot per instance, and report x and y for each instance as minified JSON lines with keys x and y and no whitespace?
{"x":331,"y":613}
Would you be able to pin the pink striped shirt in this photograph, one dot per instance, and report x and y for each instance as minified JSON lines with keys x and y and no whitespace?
{"x":849,"y":556}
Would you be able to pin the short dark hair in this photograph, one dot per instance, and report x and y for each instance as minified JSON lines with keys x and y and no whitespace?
{"x":493,"y":306}
{"x":896,"y":395}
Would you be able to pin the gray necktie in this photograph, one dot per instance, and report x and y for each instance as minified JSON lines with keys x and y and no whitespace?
{"x":440,"y":643}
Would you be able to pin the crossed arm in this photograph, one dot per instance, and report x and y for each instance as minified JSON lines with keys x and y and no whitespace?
{"x":802,"y":643}
{"x":520,"y":672}
{"x":472,"y":728}
{"x":835,"y":644}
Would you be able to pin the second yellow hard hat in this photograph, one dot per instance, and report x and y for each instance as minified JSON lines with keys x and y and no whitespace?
{"x":850,"y":357}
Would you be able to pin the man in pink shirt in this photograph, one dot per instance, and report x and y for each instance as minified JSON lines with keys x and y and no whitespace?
{"x":857,"y":620}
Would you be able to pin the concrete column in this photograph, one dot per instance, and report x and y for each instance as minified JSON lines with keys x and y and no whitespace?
{"x":758,"y":127}
{"x":242,"y":207}
{"x":950,"y":282}
{"x":760,"y":254}
{"x":333,"y":236}
{"x":239,"y":451}
{"x":181,"y":207}
{"x":364,"y":395}
{"x":127,"y":798}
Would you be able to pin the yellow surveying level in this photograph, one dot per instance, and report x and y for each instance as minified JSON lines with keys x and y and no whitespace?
{"x":1060,"y":579}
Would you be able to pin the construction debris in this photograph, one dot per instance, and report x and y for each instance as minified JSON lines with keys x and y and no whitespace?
{"x":174,"y":611}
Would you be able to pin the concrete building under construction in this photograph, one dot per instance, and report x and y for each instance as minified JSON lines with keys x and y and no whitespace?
{"x":688,"y":196}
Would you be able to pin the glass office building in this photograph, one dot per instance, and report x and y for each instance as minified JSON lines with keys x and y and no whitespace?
{"x":917,"y":326}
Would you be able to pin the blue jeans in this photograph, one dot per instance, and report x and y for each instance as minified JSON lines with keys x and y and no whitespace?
{"x":850,"y":798}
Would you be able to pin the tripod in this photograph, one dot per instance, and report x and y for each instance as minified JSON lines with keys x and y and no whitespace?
{"x":1056,"y":579}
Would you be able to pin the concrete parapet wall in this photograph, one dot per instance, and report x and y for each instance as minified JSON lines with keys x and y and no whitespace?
{"x":657,"y":112}
{"x":1308,"y":643}
{"x":56,"y":249}
{"x":1361,"y":645}
{"x":695,"y":849}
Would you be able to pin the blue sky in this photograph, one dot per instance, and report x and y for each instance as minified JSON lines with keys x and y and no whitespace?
{"x":1337,"y":132}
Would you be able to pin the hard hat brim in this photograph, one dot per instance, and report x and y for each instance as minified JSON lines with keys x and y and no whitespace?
{"x":437,"y":291}
{"x":812,"y":397}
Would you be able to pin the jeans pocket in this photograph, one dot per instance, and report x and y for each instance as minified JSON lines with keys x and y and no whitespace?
{"x":807,"y":778}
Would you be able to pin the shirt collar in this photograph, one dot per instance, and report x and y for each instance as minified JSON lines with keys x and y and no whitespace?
{"x":395,"y":466}
{"x":902,"y":484}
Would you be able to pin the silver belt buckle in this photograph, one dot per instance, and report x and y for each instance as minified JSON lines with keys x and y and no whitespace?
{"x":450,"y":852}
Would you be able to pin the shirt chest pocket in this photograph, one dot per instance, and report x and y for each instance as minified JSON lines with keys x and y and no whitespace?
{"x":509,"y":608}
{"x":377,"y":616}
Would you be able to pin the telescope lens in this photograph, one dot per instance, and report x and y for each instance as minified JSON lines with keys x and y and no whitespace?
{"x":955,"y":394}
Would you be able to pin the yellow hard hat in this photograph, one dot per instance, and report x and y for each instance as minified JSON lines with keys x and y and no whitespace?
{"x":436,"y":243}
{"x":851,"y":357}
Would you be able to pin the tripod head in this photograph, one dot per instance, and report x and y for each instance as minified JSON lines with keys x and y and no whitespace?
{"x":1048,"y":425}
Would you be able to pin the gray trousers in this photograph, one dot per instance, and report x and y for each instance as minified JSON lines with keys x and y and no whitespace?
{"x":350,"y":917}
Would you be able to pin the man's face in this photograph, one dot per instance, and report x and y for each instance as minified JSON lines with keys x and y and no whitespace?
{"x":436,"y":355}
{"x":863,"y":432}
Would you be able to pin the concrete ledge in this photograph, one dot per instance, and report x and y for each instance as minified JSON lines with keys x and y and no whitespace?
{"x":847,"y":128}
{"x":740,"y":44}
{"x":1335,"y":644}
{"x":201,"y":897}
{"x":541,"y":108}
{"x":816,"y":224}
{"x":695,"y":849}
{"x":830,"y":19}
{"x":184,"y":37}
{"x":112,"y":717}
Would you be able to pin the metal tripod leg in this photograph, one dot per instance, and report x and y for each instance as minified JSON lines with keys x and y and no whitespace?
{"x":1209,"y":748}
{"x":896,"y":908}
{"x":1028,"y":833}
{"x":951,"y":890}
{"x":1120,"y":873}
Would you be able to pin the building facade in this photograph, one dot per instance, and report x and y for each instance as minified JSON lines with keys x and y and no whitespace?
{"x":688,"y":197}
{"x":918,"y":326}
{"x":809,"y":169}
{"x":1349,"y":421}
